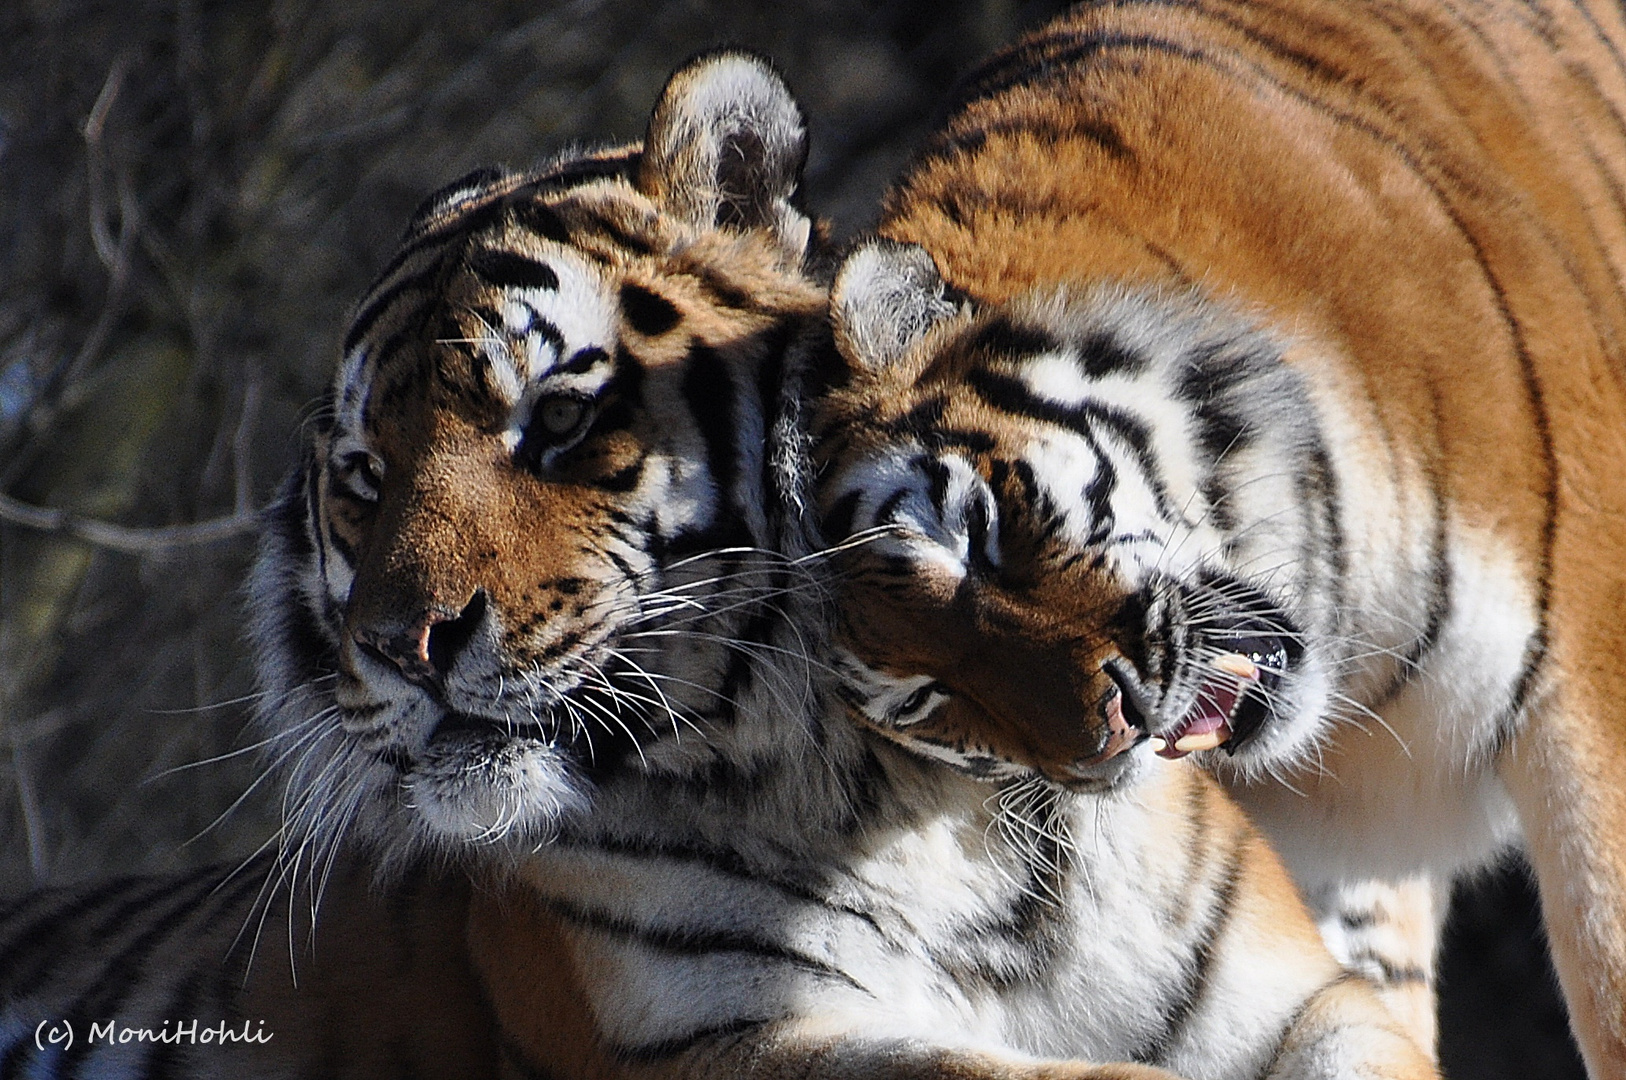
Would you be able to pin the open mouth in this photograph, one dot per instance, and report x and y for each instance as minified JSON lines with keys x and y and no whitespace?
{"x":1232,"y":699}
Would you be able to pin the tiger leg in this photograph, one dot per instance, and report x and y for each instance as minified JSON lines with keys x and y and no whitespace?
{"x":1389,"y":933}
{"x":1345,"y":1021}
{"x":1565,"y":775}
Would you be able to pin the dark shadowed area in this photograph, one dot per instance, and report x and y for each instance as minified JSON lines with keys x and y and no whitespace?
{"x":191,"y":196}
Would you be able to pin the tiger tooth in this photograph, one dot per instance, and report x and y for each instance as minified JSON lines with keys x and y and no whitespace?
{"x":1235,"y":664}
{"x":1192,"y":743}
{"x":1158,"y":745}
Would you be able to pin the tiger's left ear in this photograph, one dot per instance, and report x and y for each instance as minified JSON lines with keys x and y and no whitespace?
{"x":726,"y":146}
{"x":886,"y":297}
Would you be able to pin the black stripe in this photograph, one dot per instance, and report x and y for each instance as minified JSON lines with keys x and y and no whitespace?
{"x":1179,"y":1010}
{"x":581,"y":171}
{"x":584,"y":360}
{"x":122,"y":973}
{"x":623,"y":396}
{"x":838,"y":521}
{"x":1011,"y":395}
{"x":779,"y":406}
{"x":511,"y":270}
{"x":1042,"y":60}
{"x":696,"y":941}
{"x":476,"y":183}
{"x":647,"y":311}
{"x":459,"y":227}
{"x":1002,"y":338}
{"x":1104,"y":354}
{"x":1318,"y":489}
{"x":379,"y":303}
{"x":40,"y":939}
{"x":922,"y":420}
{"x":544,"y":328}
{"x":649,"y":1053}
{"x":162,"y":1059}
{"x":1098,"y":494}
{"x":721,"y":291}
{"x":1357,"y":920}
{"x":612,"y":230}
{"x":710,"y":394}
{"x":1439,"y":581}
{"x":1392,"y":974}
{"x":540,"y":219}
{"x":624,"y":479}
{"x":729,"y":863}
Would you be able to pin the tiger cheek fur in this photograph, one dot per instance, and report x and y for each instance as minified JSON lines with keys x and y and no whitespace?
{"x":970,"y":633}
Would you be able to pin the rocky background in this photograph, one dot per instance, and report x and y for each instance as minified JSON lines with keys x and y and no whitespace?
{"x":191,"y":195}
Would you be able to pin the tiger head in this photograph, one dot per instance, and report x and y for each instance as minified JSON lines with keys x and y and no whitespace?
{"x":1068,"y":529}
{"x":519,"y":540}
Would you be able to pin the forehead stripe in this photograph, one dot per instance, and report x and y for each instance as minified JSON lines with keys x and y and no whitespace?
{"x":365,"y":319}
{"x":539,"y":218}
{"x":510,"y":270}
{"x":1013,"y":396}
{"x":648,"y":312}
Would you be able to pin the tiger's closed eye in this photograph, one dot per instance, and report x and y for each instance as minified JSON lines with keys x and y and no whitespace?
{"x":361,"y":475}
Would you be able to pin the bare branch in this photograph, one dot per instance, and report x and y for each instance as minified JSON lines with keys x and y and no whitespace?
{"x":133,"y":540}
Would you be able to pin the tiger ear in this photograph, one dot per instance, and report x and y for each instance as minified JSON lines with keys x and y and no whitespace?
{"x":886,"y":297}
{"x":725,"y":148}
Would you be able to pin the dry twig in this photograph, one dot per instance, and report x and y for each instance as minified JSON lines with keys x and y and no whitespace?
{"x":130,"y":539}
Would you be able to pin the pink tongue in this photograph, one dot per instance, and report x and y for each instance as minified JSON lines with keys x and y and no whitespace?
{"x":1213,"y":708}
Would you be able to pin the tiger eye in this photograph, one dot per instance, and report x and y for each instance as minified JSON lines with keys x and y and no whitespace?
{"x":559,"y":416}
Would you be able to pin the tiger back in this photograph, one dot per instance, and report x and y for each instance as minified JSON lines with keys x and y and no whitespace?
{"x":1295,"y":337}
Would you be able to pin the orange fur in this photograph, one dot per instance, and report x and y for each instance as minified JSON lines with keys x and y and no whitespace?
{"x":1425,"y":198}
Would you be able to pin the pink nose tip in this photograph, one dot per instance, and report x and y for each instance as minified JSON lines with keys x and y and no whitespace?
{"x":408,"y":651}
{"x":425,"y":650}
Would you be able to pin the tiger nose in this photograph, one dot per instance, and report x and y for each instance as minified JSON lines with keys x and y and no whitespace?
{"x":425,"y":651}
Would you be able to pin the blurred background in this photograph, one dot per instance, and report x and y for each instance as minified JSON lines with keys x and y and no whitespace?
{"x":191,"y":196}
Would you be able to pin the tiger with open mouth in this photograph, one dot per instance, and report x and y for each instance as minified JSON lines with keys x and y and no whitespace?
{"x":1264,"y":402}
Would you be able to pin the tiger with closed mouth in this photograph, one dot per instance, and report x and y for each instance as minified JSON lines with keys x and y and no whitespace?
{"x":1267,"y":407}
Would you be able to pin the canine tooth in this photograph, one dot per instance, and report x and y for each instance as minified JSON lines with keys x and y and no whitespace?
{"x":1192,"y":743}
{"x":1236,"y":664}
{"x":1158,"y":745}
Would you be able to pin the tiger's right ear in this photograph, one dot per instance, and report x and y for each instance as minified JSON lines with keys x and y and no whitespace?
{"x":886,"y":297}
{"x":725,"y":148}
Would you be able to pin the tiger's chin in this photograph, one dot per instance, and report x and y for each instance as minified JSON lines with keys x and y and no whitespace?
{"x":478,"y":785}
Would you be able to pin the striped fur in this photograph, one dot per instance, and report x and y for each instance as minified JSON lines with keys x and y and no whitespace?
{"x":541,"y":604}
{"x":935,"y":490}
{"x":160,"y":977}
{"x":1296,"y":326}
{"x":531,"y":546}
